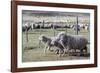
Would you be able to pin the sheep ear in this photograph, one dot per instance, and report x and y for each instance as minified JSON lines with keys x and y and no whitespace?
{"x":41,"y":36}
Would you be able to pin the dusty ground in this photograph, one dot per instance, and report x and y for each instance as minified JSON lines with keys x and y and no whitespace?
{"x":38,"y":55}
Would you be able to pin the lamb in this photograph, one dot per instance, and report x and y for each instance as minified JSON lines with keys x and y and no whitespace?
{"x":49,"y":43}
{"x":46,"y":41}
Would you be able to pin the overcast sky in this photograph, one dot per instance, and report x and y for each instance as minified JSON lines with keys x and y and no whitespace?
{"x":53,"y":13}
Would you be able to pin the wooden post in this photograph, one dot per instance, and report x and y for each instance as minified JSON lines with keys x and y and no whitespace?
{"x":27,"y":38}
{"x":66,"y":27}
{"x":77,"y":25}
{"x":27,"y":35}
{"x":43,"y":23}
{"x":40,"y":29}
{"x":54,"y":29}
{"x":41,"y":33}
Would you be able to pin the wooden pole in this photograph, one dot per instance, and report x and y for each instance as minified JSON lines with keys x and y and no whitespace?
{"x":77,"y":25}
{"x":27,"y":35}
{"x":43,"y":23}
{"x":66,"y":27}
{"x":41,"y":33}
{"x":54,"y":29}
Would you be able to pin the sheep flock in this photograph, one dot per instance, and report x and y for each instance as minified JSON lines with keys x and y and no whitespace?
{"x":64,"y":43}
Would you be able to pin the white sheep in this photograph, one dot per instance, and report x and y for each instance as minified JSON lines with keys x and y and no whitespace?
{"x":49,"y":43}
{"x":46,"y":41}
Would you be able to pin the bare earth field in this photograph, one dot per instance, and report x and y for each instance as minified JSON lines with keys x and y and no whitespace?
{"x":33,"y":51}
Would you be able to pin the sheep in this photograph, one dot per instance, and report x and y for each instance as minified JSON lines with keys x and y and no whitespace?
{"x":72,"y":42}
{"x":56,"y":42}
{"x":65,"y":42}
{"x":59,"y":47}
{"x":76,"y":27}
{"x":26,"y":27}
{"x":50,"y":42}
{"x":46,"y":41}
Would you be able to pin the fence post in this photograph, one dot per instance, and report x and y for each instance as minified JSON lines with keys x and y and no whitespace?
{"x":54,"y":29}
{"x":66,"y":27}
{"x":77,"y":25}
{"x":41,"y":32}
{"x":26,"y":37}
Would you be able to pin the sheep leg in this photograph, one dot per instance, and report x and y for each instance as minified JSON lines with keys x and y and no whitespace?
{"x":63,"y":49}
{"x":63,"y":52}
{"x":81,"y":52}
{"x":85,"y":48}
{"x":75,"y":52}
{"x":49,"y":48}
{"x":59,"y":52}
{"x":68,"y":51}
{"x":45,"y":49}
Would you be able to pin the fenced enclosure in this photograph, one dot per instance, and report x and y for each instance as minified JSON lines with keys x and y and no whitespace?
{"x":36,"y":24}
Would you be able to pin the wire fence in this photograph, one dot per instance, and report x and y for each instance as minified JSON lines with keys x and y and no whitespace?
{"x":34,"y":30}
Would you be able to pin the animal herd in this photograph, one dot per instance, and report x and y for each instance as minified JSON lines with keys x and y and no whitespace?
{"x":44,"y":25}
{"x":63,"y":43}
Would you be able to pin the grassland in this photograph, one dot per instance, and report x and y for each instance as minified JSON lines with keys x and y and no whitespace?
{"x":33,"y":50}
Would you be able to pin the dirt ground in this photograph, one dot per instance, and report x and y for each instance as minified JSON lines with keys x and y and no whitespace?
{"x":34,"y":55}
